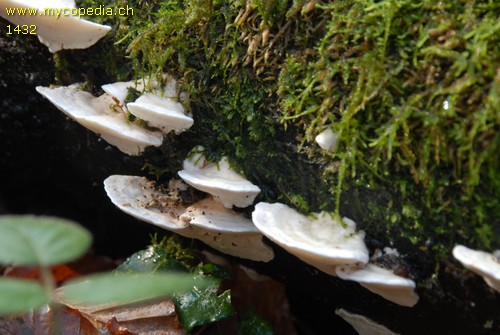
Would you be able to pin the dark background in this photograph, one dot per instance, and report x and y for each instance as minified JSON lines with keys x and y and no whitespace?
{"x":50,"y":165}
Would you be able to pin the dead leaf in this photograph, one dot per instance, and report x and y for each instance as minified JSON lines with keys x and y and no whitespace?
{"x":264,"y":296}
{"x":85,"y":265}
{"x":114,"y":328}
{"x":147,"y":318}
{"x":43,"y":322}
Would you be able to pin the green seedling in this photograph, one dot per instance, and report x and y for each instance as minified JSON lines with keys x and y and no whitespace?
{"x":46,"y":241}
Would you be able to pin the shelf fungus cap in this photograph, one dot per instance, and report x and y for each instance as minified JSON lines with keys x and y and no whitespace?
{"x":327,"y":140}
{"x":120,"y":89}
{"x":55,"y":23}
{"x":362,"y":324}
{"x":206,"y":220}
{"x":219,"y":180}
{"x":163,"y":113}
{"x":97,"y":115}
{"x":226,"y":230}
{"x":382,"y":282}
{"x":159,"y":108}
{"x":322,"y":241}
{"x":140,"y":198}
{"x":481,"y":263}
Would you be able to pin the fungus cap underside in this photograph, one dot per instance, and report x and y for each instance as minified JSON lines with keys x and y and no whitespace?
{"x":322,"y":242}
{"x":97,"y":115}
{"x":219,"y":180}
{"x":382,"y":282}
{"x":205,"y":220}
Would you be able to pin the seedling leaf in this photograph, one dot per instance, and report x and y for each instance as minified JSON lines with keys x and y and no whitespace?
{"x":17,"y":295}
{"x":121,"y":288}
{"x":39,"y":240}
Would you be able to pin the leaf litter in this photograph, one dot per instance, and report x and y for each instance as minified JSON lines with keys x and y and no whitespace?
{"x":237,"y":303}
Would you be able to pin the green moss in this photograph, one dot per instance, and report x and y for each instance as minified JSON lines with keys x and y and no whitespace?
{"x":411,"y":89}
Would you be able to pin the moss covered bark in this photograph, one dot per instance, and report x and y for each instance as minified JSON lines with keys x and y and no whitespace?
{"x":411,"y":88}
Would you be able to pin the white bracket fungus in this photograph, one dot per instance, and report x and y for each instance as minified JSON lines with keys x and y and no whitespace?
{"x":159,"y":108}
{"x":226,"y":231}
{"x":54,"y":24}
{"x":219,"y":180}
{"x":119,"y":89}
{"x":481,"y":263}
{"x":163,"y":113}
{"x":382,"y":282}
{"x":322,"y":242}
{"x":97,"y":115}
{"x":139,"y":198}
{"x":327,"y":140}
{"x":362,"y":324}
{"x":206,"y":220}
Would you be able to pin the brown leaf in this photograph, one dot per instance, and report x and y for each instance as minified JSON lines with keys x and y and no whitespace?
{"x":147,"y":318}
{"x":264,"y":296}
{"x":154,"y":318}
{"x":114,"y":328}
{"x":85,"y":265}
{"x":43,"y":322}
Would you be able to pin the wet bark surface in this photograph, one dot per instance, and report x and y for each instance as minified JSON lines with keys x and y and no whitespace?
{"x":50,"y":165}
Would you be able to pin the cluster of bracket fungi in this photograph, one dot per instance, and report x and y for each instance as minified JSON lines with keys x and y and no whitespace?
{"x":331,"y":244}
